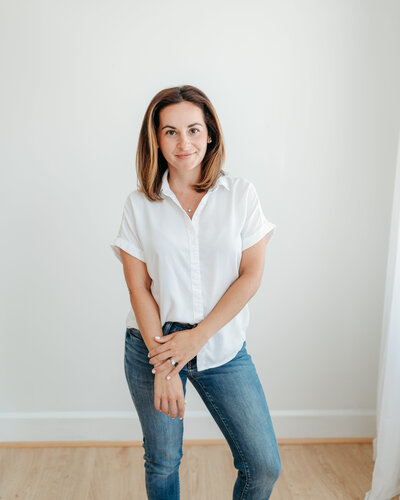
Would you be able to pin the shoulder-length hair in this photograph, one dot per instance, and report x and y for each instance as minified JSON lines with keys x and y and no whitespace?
{"x":150,"y":162}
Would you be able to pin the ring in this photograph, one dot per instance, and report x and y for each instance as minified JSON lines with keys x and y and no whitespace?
{"x":173,"y":361}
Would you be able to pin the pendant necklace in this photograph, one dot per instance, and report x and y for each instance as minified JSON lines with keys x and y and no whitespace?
{"x":189,"y":209}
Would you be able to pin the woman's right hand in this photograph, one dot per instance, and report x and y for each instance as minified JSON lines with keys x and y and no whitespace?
{"x":169,"y":391}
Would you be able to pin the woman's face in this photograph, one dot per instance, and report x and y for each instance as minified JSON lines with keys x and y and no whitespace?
{"x":182,"y":135}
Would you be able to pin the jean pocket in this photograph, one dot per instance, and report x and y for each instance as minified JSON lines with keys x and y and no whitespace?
{"x":134,"y":332}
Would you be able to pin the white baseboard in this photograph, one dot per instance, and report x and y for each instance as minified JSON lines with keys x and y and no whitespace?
{"x":125,"y":426}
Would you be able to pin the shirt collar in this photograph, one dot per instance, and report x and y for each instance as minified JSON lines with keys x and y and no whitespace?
{"x":222,"y":180}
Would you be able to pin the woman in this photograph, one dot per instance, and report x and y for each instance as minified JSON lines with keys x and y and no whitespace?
{"x":192,"y":242}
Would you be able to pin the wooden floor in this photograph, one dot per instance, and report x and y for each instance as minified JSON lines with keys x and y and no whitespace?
{"x":116,"y":472}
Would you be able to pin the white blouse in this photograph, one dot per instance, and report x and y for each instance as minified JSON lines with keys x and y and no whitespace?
{"x":192,"y":262}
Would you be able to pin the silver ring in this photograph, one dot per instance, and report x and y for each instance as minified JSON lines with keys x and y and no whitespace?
{"x":173,"y":361}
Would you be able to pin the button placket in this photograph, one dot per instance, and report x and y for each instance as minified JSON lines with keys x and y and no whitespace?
{"x":192,"y":225}
{"x":195,"y":273}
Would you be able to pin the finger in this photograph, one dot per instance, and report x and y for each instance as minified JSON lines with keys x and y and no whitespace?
{"x":164,"y":405}
{"x":175,"y":371}
{"x":161,"y":357}
{"x":157,"y":402}
{"x":157,"y":350}
{"x":165,"y":338}
{"x":160,"y":367}
{"x":181,"y":407}
{"x":172,"y":407}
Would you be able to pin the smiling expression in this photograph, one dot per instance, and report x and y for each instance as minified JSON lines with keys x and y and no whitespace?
{"x":182,"y":135}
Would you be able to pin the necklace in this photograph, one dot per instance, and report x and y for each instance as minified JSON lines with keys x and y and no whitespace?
{"x":190,"y":209}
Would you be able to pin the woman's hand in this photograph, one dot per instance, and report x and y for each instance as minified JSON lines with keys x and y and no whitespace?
{"x":169,"y":391}
{"x":182,"y":346}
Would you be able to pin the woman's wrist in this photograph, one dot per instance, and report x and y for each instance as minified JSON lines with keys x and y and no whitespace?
{"x":201,"y":332}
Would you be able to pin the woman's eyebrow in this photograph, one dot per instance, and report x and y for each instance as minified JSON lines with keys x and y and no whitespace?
{"x":191,"y":125}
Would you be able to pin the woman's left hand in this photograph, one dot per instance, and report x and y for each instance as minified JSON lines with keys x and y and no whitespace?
{"x":182,"y":346}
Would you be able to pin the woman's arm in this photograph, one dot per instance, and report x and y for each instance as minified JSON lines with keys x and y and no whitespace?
{"x":240,"y":292}
{"x":184,"y":347}
{"x":169,"y":397}
{"x":146,"y":309}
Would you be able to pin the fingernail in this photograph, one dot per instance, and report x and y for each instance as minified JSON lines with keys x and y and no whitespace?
{"x":158,"y":338}
{"x":153,"y":371}
{"x":180,"y":418}
{"x":148,"y":355}
{"x":168,"y":377}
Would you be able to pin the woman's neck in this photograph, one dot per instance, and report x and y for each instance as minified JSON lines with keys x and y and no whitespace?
{"x":181,"y":182}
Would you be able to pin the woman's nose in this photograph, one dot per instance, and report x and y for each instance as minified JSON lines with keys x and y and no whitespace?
{"x":183,"y":141}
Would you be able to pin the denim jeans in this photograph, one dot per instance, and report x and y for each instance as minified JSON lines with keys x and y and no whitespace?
{"x":235,"y":398}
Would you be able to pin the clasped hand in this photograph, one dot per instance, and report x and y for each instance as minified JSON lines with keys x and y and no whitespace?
{"x":181,"y":346}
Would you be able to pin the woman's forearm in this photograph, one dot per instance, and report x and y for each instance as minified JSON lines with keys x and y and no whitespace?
{"x":147,"y":315}
{"x":147,"y":312}
{"x":233,"y":301}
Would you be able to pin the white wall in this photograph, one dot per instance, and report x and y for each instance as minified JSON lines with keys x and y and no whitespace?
{"x":307,"y":93}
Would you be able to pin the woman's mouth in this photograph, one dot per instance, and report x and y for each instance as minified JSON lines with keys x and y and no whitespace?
{"x":185,"y":156}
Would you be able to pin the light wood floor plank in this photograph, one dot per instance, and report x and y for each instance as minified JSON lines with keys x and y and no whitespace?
{"x":333,"y":471}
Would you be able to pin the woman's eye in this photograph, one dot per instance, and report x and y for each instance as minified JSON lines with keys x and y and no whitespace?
{"x":194,"y":131}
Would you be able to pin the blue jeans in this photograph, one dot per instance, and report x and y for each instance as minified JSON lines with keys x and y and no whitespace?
{"x":235,"y":398}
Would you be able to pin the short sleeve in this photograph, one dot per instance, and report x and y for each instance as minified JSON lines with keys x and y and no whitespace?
{"x":256,"y":225}
{"x":127,"y":237}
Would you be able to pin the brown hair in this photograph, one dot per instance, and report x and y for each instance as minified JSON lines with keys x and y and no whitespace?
{"x":150,"y":162}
